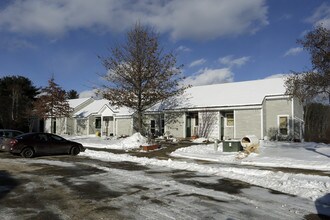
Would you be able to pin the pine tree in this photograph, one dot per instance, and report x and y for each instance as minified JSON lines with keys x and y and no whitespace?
{"x":72,"y":94}
{"x":52,"y":102}
{"x":17,"y":94}
{"x":140,"y":73}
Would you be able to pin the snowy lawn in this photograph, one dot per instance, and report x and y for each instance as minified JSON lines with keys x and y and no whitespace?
{"x":272,"y":154}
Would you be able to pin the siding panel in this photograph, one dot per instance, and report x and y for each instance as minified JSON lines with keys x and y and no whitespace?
{"x":248,"y":122}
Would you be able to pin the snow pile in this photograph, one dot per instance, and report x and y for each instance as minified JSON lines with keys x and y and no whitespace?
{"x":200,"y":140}
{"x":134,"y":141}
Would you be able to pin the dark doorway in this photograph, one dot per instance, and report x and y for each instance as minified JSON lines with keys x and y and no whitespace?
{"x":54,"y":126}
{"x":153,"y":127}
{"x":41,"y":125}
{"x":188,"y":126}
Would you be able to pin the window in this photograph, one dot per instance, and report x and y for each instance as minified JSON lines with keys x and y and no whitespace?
{"x":152,"y":126}
{"x":56,"y":138}
{"x":230,"y":119}
{"x":162,"y":126}
{"x":97,"y":122}
{"x":283,"y":125}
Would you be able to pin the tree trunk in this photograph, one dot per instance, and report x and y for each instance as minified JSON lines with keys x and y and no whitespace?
{"x":140,"y":122}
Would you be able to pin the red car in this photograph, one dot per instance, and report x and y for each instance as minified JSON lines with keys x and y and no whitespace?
{"x":31,"y":144}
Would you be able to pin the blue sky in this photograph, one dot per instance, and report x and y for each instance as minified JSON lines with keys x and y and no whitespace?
{"x":216,"y":40}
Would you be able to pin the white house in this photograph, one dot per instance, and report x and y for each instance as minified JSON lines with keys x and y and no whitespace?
{"x":65,"y":125}
{"x":100,"y":117}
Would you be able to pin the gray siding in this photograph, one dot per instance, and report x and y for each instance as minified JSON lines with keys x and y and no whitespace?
{"x":70,"y":126}
{"x":272,"y":109}
{"x":81,"y":126}
{"x":91,"y":125}
{"x":174,"y":124}
{"x":248,"y":122}
{"x":298,"y":109}
{"x":60,"y":126}
{"x":124,"y":126}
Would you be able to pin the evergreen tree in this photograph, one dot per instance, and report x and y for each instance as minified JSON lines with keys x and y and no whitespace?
{"x":52,"y":102}
{"x":140,"y":73}
{"x":72,"y":94}
{"x":17,"y":94}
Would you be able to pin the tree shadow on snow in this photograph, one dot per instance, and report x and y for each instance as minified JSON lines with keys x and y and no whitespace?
{"x":322,"y":205}
{"x":314,"y":150}
{"x":7,"y":183}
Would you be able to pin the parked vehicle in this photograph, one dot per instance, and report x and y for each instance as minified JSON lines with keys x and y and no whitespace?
{"x":31,"y":144}
{"x":7,"y":133}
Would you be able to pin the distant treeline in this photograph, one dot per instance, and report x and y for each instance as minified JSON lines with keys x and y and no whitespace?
{"x":317,"y":123}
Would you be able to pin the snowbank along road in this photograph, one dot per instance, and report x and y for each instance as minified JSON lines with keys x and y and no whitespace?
{"x":65,"y":187}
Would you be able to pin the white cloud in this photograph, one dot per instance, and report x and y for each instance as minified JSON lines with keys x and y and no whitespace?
{"x":12,"y":44}
{"x":183,"y":49}
{"x":279,"y":75}
{"x":231,"y":62}
{"x":88,"y":93}
{"x":210,"y":76}
{"x":183,"y":19}
{"x":293,"y":51}
{"x":197,"y":62}
{"x":321,"y":16}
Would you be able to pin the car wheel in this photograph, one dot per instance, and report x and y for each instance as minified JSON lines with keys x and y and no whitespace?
{"x":27,"y":152}
{"x":74,"y":150}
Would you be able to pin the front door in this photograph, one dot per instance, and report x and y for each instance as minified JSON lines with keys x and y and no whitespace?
{"x":188,"y":126}
{"x":222,"y":128}
{"x":54,"y":126}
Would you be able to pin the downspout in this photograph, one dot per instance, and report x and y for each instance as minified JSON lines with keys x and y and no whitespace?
{"x":262,"y":123}
{"x":293,"y":132}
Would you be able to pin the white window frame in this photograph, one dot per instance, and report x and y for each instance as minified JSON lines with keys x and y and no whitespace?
{"x":226,"y":122}
{"x":287,"y":127}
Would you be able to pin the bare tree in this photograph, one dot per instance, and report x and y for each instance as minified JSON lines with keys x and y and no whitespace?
{"x":52,"y":102}
{"x":314,"y":83}
{"x":207,"y":122}
{"x":140,"y":74}
{"x":309,"y":84}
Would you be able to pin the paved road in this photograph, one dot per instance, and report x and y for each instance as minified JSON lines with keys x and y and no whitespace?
{"x":65,"y":187}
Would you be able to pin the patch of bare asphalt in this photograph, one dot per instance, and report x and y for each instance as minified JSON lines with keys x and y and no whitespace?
{"x":225,"y":185}
{"x":48,"y":193}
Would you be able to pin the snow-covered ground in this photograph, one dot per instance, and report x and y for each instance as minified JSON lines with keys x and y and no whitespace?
{"x":311,"y":156}
{"x":132,"y":142}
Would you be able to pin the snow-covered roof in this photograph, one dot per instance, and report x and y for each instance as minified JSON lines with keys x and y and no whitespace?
{"x":99,"y":106}
{"x":226,"y":94}
{"x":76,"y":102}
{"x":92,"y":108}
